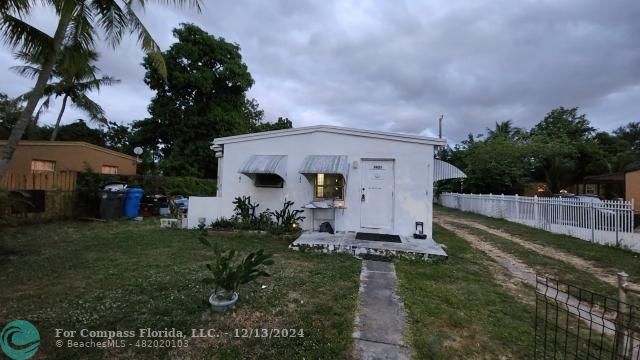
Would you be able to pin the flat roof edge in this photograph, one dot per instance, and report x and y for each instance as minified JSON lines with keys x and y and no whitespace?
{"x":331,"y":129}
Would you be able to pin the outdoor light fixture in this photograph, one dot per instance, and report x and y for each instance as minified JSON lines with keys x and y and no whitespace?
{"x":419,"y":234}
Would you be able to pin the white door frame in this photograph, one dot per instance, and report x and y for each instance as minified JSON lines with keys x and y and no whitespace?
{"x":391,"y":229}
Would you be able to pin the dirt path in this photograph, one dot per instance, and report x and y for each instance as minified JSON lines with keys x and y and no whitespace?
{"x":597,"y":321}
{"x":516,"y":267}
{"x":605,"y":275}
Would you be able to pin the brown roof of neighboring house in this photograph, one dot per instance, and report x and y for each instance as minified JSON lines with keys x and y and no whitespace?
{"x":633,"y":167}
{"x":71,"y":143}
{"x":605,"y":178}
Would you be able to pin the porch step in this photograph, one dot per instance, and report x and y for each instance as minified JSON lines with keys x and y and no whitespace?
{"x":374,"y":257}
{"x":347,"y":243}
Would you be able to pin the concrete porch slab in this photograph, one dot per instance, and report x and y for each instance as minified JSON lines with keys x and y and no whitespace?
{"x":424,"y":249}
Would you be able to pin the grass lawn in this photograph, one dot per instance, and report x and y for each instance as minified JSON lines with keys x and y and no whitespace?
{"x":605,"y":256}
{"x":457,"y":310}
{"x":134,"y":275}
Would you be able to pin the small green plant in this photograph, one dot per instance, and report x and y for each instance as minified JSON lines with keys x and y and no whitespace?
{"x":288,"y":219}
{"x":245,"y":210}
{"x":264,"y":221}
{"x":245,"y":215}
{"x":223,"y":224}
{"x":228,"y":273}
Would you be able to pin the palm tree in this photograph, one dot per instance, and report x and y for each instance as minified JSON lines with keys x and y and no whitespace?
{"x":504,"y":129}
{"x":75,"y":79}
{"x":79,"y":22}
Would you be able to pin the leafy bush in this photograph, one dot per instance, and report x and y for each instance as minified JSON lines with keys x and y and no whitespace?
{"x":13,"y":201}
{"x":174,"y":185}
{"x":164,"y":185}
{"x":286,"y":218}
{"x":223,"y":223}
{"x":264,"y":221}
{"x":245,"y":215}
{"x":227,"y":273}
{"x":245,"y":210}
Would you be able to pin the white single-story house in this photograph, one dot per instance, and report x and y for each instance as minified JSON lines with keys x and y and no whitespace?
{"x":357,"y":180}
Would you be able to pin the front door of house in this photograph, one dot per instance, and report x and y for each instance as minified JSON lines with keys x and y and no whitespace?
{"x":376,"y":211}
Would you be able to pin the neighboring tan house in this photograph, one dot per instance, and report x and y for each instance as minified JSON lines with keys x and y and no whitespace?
{"x":632,"y":187}
{"x":621,"y":185}
{"x":58,"y":156}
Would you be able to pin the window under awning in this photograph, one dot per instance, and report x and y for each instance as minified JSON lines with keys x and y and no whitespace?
{"x":443,"y":171}
{"x":265,"y":164}
{"x":325,"y":164}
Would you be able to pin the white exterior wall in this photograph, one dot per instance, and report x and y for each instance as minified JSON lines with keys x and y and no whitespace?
{"x":207,"y":207}
{"x":413,"y":170}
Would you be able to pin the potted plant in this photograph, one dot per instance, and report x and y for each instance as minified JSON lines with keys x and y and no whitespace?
{"x":227,"y":274}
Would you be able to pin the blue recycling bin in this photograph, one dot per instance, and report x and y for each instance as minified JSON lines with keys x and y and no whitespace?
{"x":132,"y":202}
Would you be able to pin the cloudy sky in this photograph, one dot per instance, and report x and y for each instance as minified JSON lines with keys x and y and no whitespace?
{"x":399,"y":65}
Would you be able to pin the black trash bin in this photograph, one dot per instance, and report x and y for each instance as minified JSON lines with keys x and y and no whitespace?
{"x":111,"y":204}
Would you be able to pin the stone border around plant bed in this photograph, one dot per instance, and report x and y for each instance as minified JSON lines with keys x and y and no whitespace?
{"x":359,"y":251}
{"x":286,"y":236}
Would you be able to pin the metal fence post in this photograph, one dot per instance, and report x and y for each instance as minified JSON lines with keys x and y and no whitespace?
{"x":622,"y":317}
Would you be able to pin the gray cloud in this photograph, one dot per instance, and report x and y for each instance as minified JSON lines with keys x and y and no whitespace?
{"x":398,"y":65}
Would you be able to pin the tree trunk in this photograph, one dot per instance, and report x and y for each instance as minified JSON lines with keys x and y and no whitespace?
{"x":57,"y":127}
{"x":38,"y":90}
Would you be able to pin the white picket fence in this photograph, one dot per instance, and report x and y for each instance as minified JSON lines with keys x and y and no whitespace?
{"x":608,"y":223}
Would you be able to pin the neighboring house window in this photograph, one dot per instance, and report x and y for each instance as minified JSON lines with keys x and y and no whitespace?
{"x":590,"y":189}
{"x":329,"y":186}
{"x":268,"y":180}
{"x":108,"y":169}
{"x":38,"y":166}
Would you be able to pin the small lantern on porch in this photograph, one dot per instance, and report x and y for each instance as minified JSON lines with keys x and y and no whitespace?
{"x":419,"y":234}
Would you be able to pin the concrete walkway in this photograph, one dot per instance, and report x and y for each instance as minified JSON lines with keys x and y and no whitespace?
{"x":380,"y":320}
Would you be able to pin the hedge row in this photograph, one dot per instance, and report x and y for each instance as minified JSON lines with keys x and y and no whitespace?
{"x":164,"y":185}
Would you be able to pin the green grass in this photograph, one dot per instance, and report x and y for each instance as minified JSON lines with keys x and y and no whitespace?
{"x":132,"y":275}
{"x":603,"y":256}
{"x":457,"y":310}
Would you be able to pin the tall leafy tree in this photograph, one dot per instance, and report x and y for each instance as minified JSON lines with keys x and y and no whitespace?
{"x":496,"y":166}
{"x":559,"y":145}
{"x":10,"y":110}
{"x":79,"y":22}
{"x":74,"y":75}
{"x":280,"y":124}
{"x":204,"y":97}
{"x":631,"y":134}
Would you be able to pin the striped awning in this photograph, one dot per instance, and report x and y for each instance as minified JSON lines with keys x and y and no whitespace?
{"x":325,"y":164}
{"x":265,"y":164}
{"x":443,"y":171}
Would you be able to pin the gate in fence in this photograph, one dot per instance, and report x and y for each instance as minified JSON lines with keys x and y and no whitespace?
{"x":574,"y":323}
